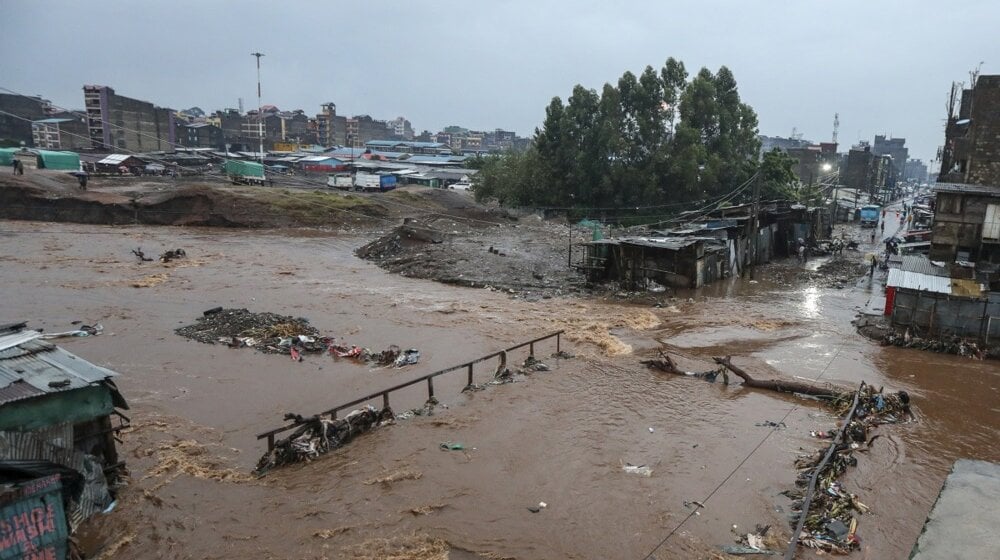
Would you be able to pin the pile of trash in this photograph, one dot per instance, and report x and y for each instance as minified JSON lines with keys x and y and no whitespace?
{"x":282,"y":334}
{"x":830,"y":523}
{"x":951,"y":345}
{"x":317,"y":435}
{"x":267,"y":332}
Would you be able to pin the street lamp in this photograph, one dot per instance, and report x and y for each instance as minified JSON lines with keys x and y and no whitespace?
{"x":260,"y":114}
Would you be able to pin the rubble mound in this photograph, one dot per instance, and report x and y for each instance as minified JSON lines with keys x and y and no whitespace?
{"x":841,"y":271}
{"x":267,"y":329}
{"x":398,"y":240}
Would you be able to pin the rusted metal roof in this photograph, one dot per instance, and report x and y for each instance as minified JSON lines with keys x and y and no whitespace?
{"x":30,"y":367}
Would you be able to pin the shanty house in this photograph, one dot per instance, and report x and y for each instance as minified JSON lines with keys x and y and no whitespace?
{"x":679,"y":262}
{"x":937,"y":300}
{"x":58,"y":416}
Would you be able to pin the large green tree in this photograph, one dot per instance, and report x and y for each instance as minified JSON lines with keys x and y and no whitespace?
{"x":650,"y":140}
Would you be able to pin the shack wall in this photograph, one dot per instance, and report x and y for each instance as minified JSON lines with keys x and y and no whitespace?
{"x":77,"y":405}
{"x":942,"y":314}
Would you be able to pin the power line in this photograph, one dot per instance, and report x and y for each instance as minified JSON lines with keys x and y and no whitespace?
{"x":741,"y":463}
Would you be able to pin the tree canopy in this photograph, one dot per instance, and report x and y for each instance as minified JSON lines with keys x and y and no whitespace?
{"x":654,"y":139}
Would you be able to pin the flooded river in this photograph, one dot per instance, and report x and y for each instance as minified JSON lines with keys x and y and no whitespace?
{"x":559,"y":437}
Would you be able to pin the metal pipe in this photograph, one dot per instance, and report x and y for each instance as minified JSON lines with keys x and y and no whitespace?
{"x":793,"y":543}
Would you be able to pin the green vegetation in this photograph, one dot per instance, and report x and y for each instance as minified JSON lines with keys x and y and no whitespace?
{"x":656,"y":139}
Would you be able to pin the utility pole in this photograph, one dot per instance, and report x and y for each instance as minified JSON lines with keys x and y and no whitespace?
{"x":755,"y":224}
{"x":260,"y":114}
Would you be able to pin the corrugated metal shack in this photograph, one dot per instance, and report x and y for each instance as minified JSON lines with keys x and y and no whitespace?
{"x":679,"y":262}
{"x":933,"y":300}
{"x":58,"y":416}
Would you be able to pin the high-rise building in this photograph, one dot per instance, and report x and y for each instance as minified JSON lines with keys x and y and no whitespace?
{"x":971,"y":152}
{"x":897,"y":150}
{"x":17,"y":112}
{"x":116,"y":122}
{"x":331,"y":128}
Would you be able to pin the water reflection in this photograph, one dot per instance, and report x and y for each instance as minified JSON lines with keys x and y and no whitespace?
{"x":810,"y":302}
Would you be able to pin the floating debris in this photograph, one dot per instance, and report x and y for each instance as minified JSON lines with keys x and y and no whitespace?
{"x":282,"y":334}
{"x":317,"y":435}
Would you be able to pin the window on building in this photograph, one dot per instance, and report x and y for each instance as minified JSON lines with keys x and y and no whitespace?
{"x":991,"y":223}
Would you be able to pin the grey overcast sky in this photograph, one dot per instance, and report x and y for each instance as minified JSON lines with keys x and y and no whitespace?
{"x":886,"y":66}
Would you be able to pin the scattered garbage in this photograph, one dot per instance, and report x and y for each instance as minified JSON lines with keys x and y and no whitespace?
{"x":534,"y":509}
{"x":771,"y":424}
{"x":451,"y":446}
{"x":830,"y":525}
{"x":641,"y":470}
{"x":281,"y":334}
{"x":317,"y":435}
{"x":84,"y":330}
{"x":756,"y":542}
{"x":408,"y":357}
{"x":172,"y":254}
{"x":531,"y":364}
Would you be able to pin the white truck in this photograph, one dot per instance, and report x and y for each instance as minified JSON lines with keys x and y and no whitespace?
{"x":342,"y":181}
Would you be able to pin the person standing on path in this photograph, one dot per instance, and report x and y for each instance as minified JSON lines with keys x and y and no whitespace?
{"x":874,"y":262}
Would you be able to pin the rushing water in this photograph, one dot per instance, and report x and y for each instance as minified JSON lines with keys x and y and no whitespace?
{"x":558,"y":437}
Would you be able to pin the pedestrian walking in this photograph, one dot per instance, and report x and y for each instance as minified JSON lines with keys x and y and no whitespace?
{"x":883,"y":228}
{"x":874,"y":262}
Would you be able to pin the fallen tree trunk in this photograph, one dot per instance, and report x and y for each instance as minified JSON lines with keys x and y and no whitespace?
{"x":666,"y":364}
{"x":783,"y":386}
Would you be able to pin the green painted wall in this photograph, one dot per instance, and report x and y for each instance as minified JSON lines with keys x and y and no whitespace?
{"x":73,"y":406}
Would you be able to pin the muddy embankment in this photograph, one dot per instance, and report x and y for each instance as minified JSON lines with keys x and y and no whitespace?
{"x":54,"y":197}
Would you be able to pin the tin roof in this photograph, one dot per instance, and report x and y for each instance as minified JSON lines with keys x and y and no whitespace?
{"x":115,"y":159}
{"x":899,"y":278}
{"x":987,"y":190}
{"x":923,"y":265}
{"x":30,"y":367}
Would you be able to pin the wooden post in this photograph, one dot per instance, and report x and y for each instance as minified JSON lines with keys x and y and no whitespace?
{"x":430,"y":387}
{"x":559,"y":350}
{"x":531,"y":349}
{"x":470,"y":374}
{"x":385,"y":399}
{"x":270,"y":442}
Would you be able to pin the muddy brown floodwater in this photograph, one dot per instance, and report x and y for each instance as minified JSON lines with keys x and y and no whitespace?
{"x":559,"y":437}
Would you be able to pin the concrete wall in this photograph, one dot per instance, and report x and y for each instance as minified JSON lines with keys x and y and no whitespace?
{"x":17,"y":129}
{"x":958,"y":226}
{"x":941,"y":314}
{"x":984,"y":134}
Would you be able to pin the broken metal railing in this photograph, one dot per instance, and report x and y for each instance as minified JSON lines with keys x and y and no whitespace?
{"x":429,"y":379}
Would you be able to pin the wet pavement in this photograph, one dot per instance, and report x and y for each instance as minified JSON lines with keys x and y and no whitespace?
{"x":559,"y":437}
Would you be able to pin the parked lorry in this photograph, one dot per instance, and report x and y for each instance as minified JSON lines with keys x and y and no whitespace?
{"x":245,"y":172}
{"x":342,"y":181}
{"x":869,"y":215}
{"x":373,"y":182}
